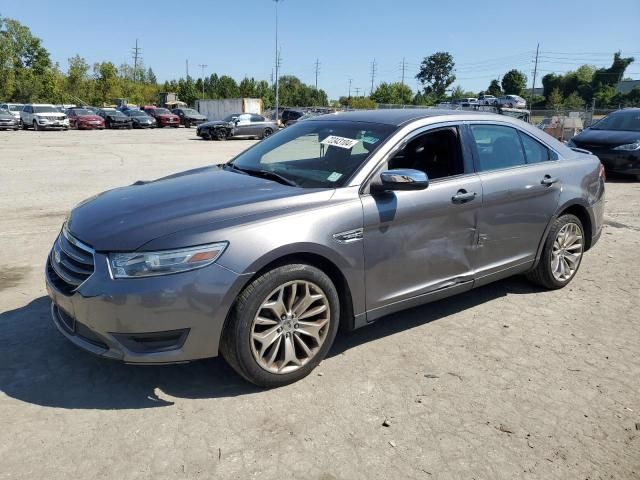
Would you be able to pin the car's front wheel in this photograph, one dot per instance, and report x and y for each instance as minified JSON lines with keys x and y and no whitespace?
{"x":267,"y":132}
{"x":561,"y":254}
{"x":282,"y":325}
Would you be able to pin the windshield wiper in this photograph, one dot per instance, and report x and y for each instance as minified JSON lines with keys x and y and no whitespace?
{"x":268,"y":174}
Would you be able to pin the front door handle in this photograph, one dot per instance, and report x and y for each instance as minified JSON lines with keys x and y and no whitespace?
{"x":463,"y":196}
{"x":549,"y":180}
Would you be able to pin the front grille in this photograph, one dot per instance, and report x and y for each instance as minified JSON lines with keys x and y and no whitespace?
{"x":70,"y":262}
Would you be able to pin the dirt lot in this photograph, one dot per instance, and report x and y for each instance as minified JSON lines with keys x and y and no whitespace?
{"x":502,"y":382}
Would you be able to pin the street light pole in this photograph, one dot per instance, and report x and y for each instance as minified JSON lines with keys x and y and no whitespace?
{"x":277,"y":65}
{"x":202,"y":66}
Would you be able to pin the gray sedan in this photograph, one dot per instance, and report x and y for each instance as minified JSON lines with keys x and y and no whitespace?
{"x":335,"y":221}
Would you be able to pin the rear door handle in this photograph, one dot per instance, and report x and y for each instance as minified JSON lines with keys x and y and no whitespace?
{"x":549,"y":180}
{"x":463,"y":196}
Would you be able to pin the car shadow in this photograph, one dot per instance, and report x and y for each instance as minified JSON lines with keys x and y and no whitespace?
{"x":39,"y":366}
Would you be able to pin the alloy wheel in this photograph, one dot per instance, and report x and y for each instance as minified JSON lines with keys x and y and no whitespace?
{"x":566,"y":252}
{"x":290,"y":326}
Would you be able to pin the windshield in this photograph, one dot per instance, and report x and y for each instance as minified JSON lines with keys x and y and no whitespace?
{"x":45,"y":109}
{"x":629,"y":121}
{"x":16,"y":108}
{"x":162,"y":111}
{"x":136,"y":113}
{"x":316,"y":154}
{"x":231,"y":117}
{"x":190,"y":111}
{"x":82,"y":111}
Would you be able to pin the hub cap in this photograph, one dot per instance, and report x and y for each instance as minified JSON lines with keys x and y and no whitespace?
{"x":567,"y":252}
{"x":290,"y":326}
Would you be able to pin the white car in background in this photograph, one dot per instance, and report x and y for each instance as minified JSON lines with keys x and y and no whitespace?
{"x":487,"y":100}
{"x":13,"y":108}
{"x":512,"y":101}
{"x":43,"y":116}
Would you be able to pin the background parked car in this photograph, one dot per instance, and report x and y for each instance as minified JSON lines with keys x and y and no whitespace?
{"x":615,"y":140}
{"x":487,"y":100}
{"x":189,"y":117}
{"x":14,"y":109}
{"x":115,"y":119}
{"x":84,"y":119}
{"x":43,"y":116}
{"x":237,"y":125}
{"x":7,"y":120}
{"x":140,"y":119}
{"x":164,"y":118}
{"x":304,"y":117}
{"x":512,"y":101}
{"x":289,"y":114}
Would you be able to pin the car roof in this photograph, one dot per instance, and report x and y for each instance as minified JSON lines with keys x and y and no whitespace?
{"x":400,"y":117}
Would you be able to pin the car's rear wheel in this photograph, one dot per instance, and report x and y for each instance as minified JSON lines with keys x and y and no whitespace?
{"x":187,"y":124}
{"x":282,"y":325}
{"x":561,"y":254}
{"x":267,"y":132}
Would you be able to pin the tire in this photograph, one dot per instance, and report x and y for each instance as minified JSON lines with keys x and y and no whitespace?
{"x":187,"y":124}
{"x":545,"y":274}
{"x":15,"y":129}
{"x":267,"y":133}
{"x":219,"y":134}
{"x":25,"y":126}
{"x":36,"y":127}
{"x":241,"y":350}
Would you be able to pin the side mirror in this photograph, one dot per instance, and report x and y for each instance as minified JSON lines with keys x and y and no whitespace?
{"x":400,"y":179}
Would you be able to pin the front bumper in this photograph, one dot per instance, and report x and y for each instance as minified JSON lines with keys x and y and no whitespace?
{"x":53,"y":124}
{"x":155,"y":320}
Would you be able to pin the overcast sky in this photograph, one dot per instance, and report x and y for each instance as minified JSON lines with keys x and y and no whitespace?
{"x":237,"y":37}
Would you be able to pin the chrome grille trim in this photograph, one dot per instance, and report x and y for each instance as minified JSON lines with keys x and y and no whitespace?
{"x":72,"y":261}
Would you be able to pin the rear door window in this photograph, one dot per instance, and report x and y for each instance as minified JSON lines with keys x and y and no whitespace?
{"x":534,"y":151}
{"x":498,"y":147}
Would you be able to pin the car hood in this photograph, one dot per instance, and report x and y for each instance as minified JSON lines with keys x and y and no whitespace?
{"x":215,"y":122}
{"x":125,"y":219}
{"x":196,"y":117}
{"x":604,"y":138}
{"x":50,"y":114}
{"x":89,"y":118}
{"x":166,"y":115}
{"x":115,"y":116}
{"x":142,"y":119}
{"x":6,"y":116}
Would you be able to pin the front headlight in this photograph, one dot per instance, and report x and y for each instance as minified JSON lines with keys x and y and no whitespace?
{"x":148,"y":264}
{"x":629,"y":147}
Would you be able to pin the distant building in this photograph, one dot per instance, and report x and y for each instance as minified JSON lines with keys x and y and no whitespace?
{"x":626,"y":86}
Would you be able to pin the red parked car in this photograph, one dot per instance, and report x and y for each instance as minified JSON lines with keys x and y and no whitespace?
{"x":82,"y":118}
{"x":164,"y":117}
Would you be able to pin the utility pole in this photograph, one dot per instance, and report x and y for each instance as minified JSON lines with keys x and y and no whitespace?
{"x":403,"y":67}
{"x":203,"y":66}
{"x":277,"y":66}
{"x":357,"y":89}
{"x":374,"y":68}
{"x":317,"y":68}
{"x":136,"y":55}
{"x":535,"y":72}
{"x":350,"y":80}
{"x":187,"y":68}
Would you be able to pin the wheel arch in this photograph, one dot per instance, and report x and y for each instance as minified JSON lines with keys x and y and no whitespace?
{"x":580,"y":209}
{"x":319,"y":261}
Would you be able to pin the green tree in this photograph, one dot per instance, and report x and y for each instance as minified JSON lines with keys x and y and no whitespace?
{"x":393,"y":93}
{"x":187,"y":91}
{"x":436,"y":73}
{"x":77,"y":81}
{"x":247,"y":88}
{"x":604,"y":77}
{"x":574,"y":102}
{"x":494,"y":88}
{"x":514,"y":82}
{"x":150,"y":77}
{"x":106,"y":75}
{"x":226,"y":87}
{"x":555,"y":100}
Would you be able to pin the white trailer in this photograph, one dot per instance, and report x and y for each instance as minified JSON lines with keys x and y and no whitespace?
{"x":218,"y":109}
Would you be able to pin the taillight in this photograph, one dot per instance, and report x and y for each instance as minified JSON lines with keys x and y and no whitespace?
{"x":603,"y":172}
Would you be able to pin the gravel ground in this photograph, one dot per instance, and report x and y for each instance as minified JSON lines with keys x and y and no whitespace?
{"x":503,"y":382}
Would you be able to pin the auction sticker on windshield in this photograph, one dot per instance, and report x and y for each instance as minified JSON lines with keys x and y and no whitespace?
{"x":341,"y":142}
